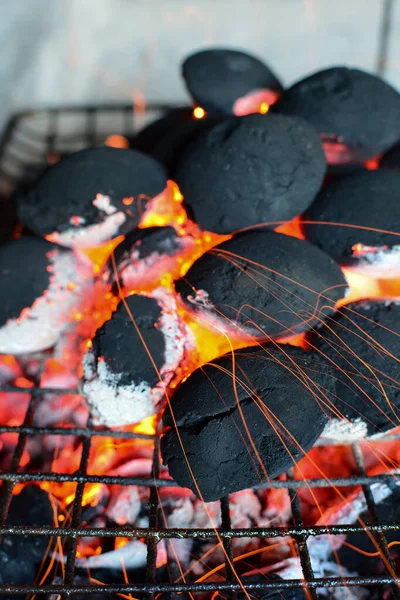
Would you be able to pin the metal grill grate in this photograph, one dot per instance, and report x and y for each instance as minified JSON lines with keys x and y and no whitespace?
{"x":23,"y":154}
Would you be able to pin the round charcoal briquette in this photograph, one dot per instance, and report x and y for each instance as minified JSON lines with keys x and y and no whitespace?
{"x":8,"y":217}
{"x":391,"y":159}
{"x":245,"y":418}
{"x":41,"y":285}
{"x":251,"y":170}
{"x":360,"y":208}
{"x":264,"y":283}
{"x":355,"y":112}
{"x":129,"y":354}
{"x":218,"y":77}
{"x":80,"y":200}
{"x":150,"y":136}
{"x":362,"y":342}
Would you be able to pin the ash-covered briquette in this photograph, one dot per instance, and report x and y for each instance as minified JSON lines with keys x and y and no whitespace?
{"x":21,"y":555}
{"x":356,"y":206}
{"x":41,"y":285}
{"x":362,"y":343}
{"x":251,"y":170}
{"x":245,"y":418}
{"x":264,"y":283}
{"x":218,"y":77}
{"x":351,"y":109}
{"x":132,"y":358}
{"x":92,"y":196}
{"x":142,"y":251}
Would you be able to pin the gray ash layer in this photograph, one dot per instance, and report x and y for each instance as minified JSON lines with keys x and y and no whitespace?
{"x":359,"y":109}
{"x":69,"y":188}
{"x":267,"y":283}
{"x":216,"y":78}
{"x":363,"y":344}
{"x":368,"y":199}
{"x":251,"y":170}
{"x":236,"y":433}
{"x":25,"y":275}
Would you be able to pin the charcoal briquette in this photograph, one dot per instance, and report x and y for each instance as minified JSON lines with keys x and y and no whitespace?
{"x":80,"y":200}
{"x":360,"y":208}
{"x":362,"y":343}
{"x":264,"y":283}
{"x":245,"y":418}
{"x":251,"y":170}
{"x":218,"y":77}
{"x":348,"y":107}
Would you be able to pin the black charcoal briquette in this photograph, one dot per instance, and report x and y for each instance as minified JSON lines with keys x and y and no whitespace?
{"x":239,"y":430}
{"x":8,"y":217}
{"x":92,"y":196}
{"x":391,"y":159}
{"x":122,"y":369}
{"x":251,"y":170}
{"x":218,"y":77}
{"x":356,"y":113}
{"x":264,"y":283}
{"x":363,"y":344}
{"x":358,"y":206}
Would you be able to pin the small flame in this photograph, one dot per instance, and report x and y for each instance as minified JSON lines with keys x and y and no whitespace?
{"x":199,"y":113}
{"x":116,"y":141}
{"x":99,"y":255}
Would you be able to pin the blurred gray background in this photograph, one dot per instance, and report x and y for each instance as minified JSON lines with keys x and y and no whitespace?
{"x":57,"y":52}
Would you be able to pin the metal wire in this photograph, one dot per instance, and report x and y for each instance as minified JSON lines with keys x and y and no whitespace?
{"x":28,"y":139}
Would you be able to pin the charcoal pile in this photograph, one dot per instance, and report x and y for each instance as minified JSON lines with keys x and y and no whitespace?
{"x":229,"y":287}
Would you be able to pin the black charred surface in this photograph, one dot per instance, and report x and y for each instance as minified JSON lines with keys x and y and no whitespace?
{"x":24,"y":275}
{"x":290,"y":289}
{"x":216,"y":78}
{"x":68,"y":189}
{"x":272,"y":395}
{"x":173,"y":145}
{"x":149,"y":137}
{"x":20,"y":556}
{"x":369,"y":199}
{"x":8,"y":218}
{"x":123,"y":351}
{"x":391,"y":159}
{"x":251,"y":170}
{"x":360,"y":109}
{"x":363,"y":344}
{"x":163,"y":240}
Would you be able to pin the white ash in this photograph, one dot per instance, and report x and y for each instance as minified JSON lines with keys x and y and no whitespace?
{"x":381,"y":262}
{"x":80,"y":236}
{"x":113,"y":404}
{"x":125,"y":504}
{"x":131,"y":556}
{"x":41,"y":325}
{"x":342,"y":430}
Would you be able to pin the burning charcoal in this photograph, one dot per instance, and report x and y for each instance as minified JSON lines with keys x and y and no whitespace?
{"x":43,"y":285}
{"x":264,"y":283}
{"x":129,"y":354}
{"x":92,"y":196}
{"x":356,"y":114}
{"x":218,"y":78}
{"x":21,"y":555}
{"x":363,"y":344}
{"x":369,"y":199}
{"x":250,"y":170}
{"x":239,"y":432}
{"x":149,"y":255}
{"x":8,"y":218}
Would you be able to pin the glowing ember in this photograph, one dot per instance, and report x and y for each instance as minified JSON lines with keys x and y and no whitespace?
{"x":116,"y":141}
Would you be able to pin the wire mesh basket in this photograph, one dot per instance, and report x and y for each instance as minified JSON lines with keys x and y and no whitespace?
{"x":31,"y":140}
